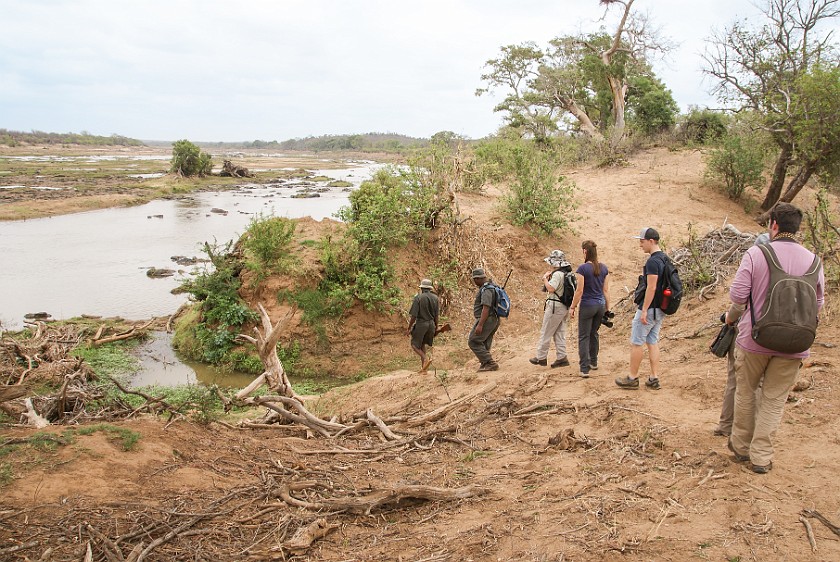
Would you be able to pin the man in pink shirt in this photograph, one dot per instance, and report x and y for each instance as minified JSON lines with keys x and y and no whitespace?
{"x":756,"y":420}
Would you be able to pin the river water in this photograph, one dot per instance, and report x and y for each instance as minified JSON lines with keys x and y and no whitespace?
{"x":95,"y":262}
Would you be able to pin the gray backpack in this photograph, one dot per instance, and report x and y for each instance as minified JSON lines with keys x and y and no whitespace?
{"x":788,"y":321}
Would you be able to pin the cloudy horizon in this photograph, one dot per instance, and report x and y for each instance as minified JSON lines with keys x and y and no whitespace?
{"x":219,"y":72}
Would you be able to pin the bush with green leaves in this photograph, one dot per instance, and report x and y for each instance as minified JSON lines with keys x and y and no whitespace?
{"x":738,"y":164}
{"x":268,"y":242}
{"x":538,"y":196}
{"x":209,"y":336}
{"x":651,"y":107}
{"x":822,"y":234}
{"x":386,"y":211}
{"x":189,"y":160}
{"x":703,"y":126}
{"x":448,"y":162}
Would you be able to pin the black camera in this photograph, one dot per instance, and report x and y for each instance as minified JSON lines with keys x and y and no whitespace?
{"x":606,"y":319}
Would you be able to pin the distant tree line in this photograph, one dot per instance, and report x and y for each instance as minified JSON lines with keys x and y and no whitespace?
{"x":368,"y":142}
{"x":15,"y":138}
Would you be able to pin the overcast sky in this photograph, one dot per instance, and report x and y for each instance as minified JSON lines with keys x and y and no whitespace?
{"x":277,"y":69}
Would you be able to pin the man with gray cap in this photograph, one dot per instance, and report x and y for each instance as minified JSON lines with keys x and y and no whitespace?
{"x":424,"y":313}
{"x":556,"y":314}
{"x":486,"y":321}
{"x":648,"y":319}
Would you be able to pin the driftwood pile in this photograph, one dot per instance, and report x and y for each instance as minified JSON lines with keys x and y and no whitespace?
{"x":45,"y":358}
{"x":705,"y":263}
{"x":231,"y":170}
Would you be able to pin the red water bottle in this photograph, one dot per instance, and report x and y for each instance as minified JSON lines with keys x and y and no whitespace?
{"x":666,"y":296}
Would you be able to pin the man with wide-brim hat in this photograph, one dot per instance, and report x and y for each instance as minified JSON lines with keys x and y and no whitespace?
{"x":486,"y":321}
{"x":424,"y":314}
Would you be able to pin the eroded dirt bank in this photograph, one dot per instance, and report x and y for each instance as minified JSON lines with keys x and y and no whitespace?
{"x":548,"y":466}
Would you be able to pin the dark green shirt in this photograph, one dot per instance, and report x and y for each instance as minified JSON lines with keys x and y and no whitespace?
{"x":484,"y":296}
{"x":425,"y":307}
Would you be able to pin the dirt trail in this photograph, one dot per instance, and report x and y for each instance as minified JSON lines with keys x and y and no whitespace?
{"x":640,"y":476}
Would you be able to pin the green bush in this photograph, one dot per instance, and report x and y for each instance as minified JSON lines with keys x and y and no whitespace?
{"x":823,"y":236}
{"x":703,"y":126}
{"x":385,"y":212}
{"x":189,"y":160}
{"x":538,"y":196}
{"x":738,"y":163}
{"x":210,"y":335}
{"x":268,"y":241}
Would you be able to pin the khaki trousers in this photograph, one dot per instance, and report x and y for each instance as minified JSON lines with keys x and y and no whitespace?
{"x":756,"y":420}
{"x":553,"y":329}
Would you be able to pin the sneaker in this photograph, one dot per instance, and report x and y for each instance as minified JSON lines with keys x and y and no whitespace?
{"x":489,"y":366}
{"x":738,"y":456}
{"x":561,"y":363}
{"x":762,"y":469}
{"x":652,"y":384}
{"x":593,"y":366}
{"x":584,"y":375}
{"x":627,"y":382}
{"x":541,"y":362}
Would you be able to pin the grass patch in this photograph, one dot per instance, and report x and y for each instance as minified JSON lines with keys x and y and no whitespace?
{"x":125,"y":438}
{"x":473,"y":455}
{"x":339,"y":183}
{"x":111,"y":359}
{"x":6,"y":474}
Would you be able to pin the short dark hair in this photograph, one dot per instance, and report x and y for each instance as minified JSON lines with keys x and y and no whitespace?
{"x":787,"y":217}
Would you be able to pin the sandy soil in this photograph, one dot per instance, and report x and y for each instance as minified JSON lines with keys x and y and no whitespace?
{"x":638,"y":476}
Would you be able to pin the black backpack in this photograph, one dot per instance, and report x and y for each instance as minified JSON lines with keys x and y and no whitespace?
{"x":788,"y":321}
{"x":670,"y":279}
{"x":569,"y":288}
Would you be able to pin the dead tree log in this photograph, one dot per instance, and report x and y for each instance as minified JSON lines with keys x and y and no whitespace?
{"x":376,"y":498}
{"x":231,"y":170}
{"x":266,"y":344}
{"x":12,"y":391}
{"x":305,"y":536}
{"x":443,"y":410}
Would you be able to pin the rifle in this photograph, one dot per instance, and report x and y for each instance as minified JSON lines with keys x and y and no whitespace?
{"x":506,"y":278}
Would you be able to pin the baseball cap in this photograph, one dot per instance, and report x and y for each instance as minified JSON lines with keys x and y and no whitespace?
{"x":648,"y":234}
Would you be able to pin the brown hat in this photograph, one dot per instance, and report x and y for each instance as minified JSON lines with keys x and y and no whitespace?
{"x":478,"y":273}
{"x":426,"y":284}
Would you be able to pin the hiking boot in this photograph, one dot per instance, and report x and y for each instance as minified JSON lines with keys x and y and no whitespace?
{"x":627,"y":382}
{"x":561,"y":363}
{"x":738,"y":456}
{"x":762,"y":469}
{"x":594,"y":365}
{"x":489,"y":366}
{"x":540,"y":362}
{"x":652,"y":384}
{"x":721,"y":432}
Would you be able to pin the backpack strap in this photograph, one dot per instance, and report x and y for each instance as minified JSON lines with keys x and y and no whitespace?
{"x":559,"y":287}
{"x":490,"y":285}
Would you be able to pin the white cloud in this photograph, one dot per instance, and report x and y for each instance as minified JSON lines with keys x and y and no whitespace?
{"x":212,"y":70}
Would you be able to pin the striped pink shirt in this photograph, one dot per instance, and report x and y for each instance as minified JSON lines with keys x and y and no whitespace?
{"x":754,"y":273}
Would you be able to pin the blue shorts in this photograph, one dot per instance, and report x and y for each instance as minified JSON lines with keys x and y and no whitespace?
{"x":646,"y":334}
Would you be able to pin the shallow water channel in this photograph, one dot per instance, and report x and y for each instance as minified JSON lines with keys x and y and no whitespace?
{"x":95,"y":262}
